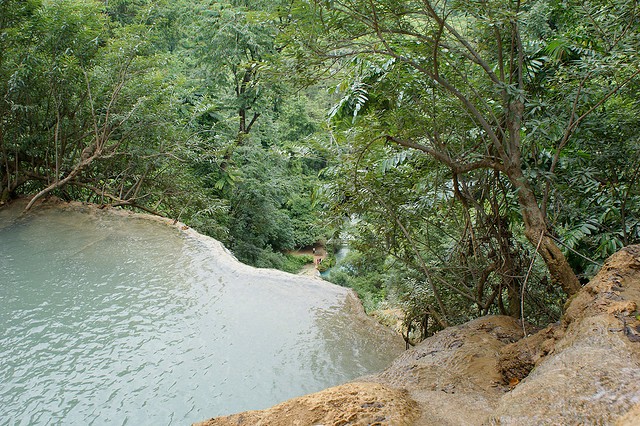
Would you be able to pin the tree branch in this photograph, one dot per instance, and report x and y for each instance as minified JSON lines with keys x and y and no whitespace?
{"x":455,"y":166}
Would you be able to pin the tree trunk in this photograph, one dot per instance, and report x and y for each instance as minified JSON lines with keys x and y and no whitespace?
{"x":536,"y":232}
{"x":513,"y":296}
{"x":60,"y":183}
{"x":534,"y":218}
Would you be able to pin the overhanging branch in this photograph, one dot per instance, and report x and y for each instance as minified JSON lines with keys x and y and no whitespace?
{"x":456,"y":166}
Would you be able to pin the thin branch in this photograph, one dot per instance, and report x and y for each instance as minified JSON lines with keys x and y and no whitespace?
{"x":573,"y":124}
{"x":574,"y":251}
{"x":613,"y":91}
{"x":443,"y":321}
{"x":478,"y":59}
{"x":524,"y":284}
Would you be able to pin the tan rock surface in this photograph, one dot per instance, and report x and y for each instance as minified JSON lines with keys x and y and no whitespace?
{"x":349,"y":404}
{"x":455,"y":375}
{"x":591,"y":374}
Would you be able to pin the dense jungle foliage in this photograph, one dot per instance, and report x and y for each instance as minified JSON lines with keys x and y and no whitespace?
{"x":477,"y":156}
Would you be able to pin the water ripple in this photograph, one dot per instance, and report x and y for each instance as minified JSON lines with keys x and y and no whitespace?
{"x":104,"y":324}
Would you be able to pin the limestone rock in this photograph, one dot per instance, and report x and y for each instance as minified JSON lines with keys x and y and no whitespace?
{"x":591,"y":374}
{"x":454,"y":375}
{"x":349,"y":404}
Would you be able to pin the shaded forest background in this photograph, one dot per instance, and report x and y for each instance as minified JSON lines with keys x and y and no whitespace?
{"x":476,"y":156}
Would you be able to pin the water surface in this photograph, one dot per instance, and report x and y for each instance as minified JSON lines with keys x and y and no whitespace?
{"x":111,"y":320}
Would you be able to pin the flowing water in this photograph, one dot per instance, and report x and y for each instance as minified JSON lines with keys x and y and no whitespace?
{"x":112,"y":320}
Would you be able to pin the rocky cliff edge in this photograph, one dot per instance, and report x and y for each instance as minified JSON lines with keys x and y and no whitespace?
{"x":584,"y":370}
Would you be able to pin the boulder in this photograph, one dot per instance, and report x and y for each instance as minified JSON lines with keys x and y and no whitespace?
{"x":454,"y":375}
{"x":585,"y":370}
{"x":349,"y":404}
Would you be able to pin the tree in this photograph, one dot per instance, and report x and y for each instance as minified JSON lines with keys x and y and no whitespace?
{"x":44,"y":89}
{"x":85,"y":109}
{"x":231,"y":46}
{"x":459,"y":83}
{"x":247,"y":124}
